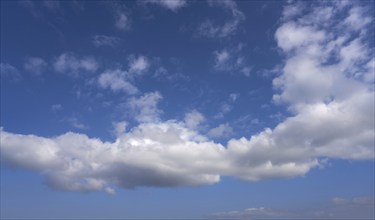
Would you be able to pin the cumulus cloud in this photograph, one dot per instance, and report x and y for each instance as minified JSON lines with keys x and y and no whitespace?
{"x":70,"y":64}
{"x":35,"y":65}
{"x":292,"y":10}
{"x":122,"y":16}
{"x":211,"y":29}
{"x":193,"y":119}
{"x":145,"y":108}
{"x":9,"y":71}
{"x":104,"y":40}
{"x":332,"y":104}
{"x":323,"y":82}
{"x":173,"y":5}
{"x":152,"y":154}
{"x":138,"y":64}
{"x":122,"y":80}
{"x":116,"y":80}
{"x":119,"y":128}
{"x":220,"y":131}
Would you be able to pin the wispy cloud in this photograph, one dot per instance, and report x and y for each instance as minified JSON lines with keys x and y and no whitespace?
{"x":10,"y":72}
{"x":104,"y":40}
{"x":210,"y":29}
{"x":173,"y":5}
{"x":70,"y":64}
{"x":35,"y":65}
{"x":339,"y":208}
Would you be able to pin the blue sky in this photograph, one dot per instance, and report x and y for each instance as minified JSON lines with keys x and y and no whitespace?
{"x":187,"y":109}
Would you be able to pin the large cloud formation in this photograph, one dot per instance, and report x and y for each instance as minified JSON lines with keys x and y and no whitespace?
{"x":327,"y":82}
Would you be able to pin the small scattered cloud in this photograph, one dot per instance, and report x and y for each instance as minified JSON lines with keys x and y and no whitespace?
{"x":122,"y":21}
{"x":211,"y":29}
{"x":234,"y":96}
{"x":231,"y":60}
{"x":292,"y":10}
{"x":73,"y":121}
{"x":116,"y":80}
{"x":223,"y":130}
{"x":35,"y":65}
{"x":340,"y":208}
{"x":138,"y":64}
{"x":104,"y":40}
{"x":145,"y":108}
{"x":10,"y":72}
{"x":119,"y":128}
{"x":70,"y":64}
{"x":110,"y":190}
{"x":193,"y":119}
{"x":173,"y":5}
{"x":56,"y":107}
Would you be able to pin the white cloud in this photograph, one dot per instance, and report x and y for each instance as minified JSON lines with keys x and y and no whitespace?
{"x":291,"y":35}
{"x":341,"y":208}
{"x":103,"y":40}
{"x":212,"y":30}
{"x":173,"y":5}
{"x":164,"y":154}
{"x":9,"y":71}
{"x":110,"y":190}
{"x":119,"y":128}
{"x":120,"y":80}
{"x":254,"y":213}
{"x":35,"y":65}
{"x":224,"y":108}
{"x":73,"y":121}
{"x":356,"y":20}
{"x":193,"y":119}
{"x":292,"y":10}
{"x":68,"y":63}
{"x":122,"y":21}
{"x":139,"y":64}
{"x":116,"y":80}
{"x":234,"y":96}
{"x":145,"y":108}
{"x":221,"y":57}
{"x":231,"y":60}
{"x":56,"y":107}
{"x":220,"y":131}
{"x":331,"y":103}
{"x":332,"y":117}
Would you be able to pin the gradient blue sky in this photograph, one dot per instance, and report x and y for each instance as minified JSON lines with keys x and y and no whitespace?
{"x":187,"y":109}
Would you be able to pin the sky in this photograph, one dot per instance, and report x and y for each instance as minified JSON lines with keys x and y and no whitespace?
{"x":187,"y":109}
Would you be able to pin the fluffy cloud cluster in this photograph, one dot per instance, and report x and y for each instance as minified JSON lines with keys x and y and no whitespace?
{"x":327,"y":82}
{"x":70,"y":64}
{"x":122,"y":80}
